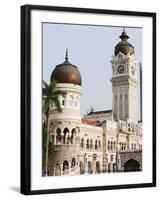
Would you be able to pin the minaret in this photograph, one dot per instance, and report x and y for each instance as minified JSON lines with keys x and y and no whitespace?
{"x":68,"y":79}
{"x":64,"y":129}
{"x":124,"y":80}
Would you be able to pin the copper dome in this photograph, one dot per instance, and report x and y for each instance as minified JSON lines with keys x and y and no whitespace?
{"x":66,"y":73}
{"x":124,"y":46}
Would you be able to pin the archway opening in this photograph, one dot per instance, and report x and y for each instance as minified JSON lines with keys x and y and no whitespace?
{"x":98,"y":167}
{"x":65,"y":167}
{"x":90,"y":171}
{"x":73,"y":163}
{"x":65,"y":134}
{"x":82,"y":143}
{"x":131,"y":166}
{"x":111,"y":167}
{"x":73,"y":135}
{"x":59,"y":136}
{"x":81,"y":166}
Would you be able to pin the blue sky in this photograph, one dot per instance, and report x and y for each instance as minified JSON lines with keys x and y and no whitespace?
{"x":90,"y":49}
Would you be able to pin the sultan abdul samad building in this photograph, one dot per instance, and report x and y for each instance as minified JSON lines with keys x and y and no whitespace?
{"x":103,"y":141}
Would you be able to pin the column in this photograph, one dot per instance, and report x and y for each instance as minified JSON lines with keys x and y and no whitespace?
{"x":78,"y":168}
{"x":61,"y":167}
{"x":118,"y":97}
{"x":69,"y":166}
{"x":69,"y":137}
{"x":85,"y":163}
{"x":73,"y":140}
{"x":55,"y":135}
{"x":54,"y":168}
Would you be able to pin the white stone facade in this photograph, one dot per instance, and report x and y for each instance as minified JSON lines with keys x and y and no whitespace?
{"x":93,"y":144}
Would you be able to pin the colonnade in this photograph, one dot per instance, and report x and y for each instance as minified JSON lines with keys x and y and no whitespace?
{"x":65,"y":136}
{"x":66,"y":167}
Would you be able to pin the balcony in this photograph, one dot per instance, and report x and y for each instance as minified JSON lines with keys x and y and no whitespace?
{"x":66,"y":147}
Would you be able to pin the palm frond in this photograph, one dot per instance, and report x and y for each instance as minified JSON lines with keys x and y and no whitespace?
{"x":52,"y":86}
{"x":44,"y":92}
{"x":45,"y":84}
{"x":46,"y":105}
{"x":55,"y":99}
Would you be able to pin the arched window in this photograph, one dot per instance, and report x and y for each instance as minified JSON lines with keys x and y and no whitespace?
{"x":120,"y":107}
{"x":120,"y":145}
{"x":96,"y":144}
{"x":65,"y":167}
{"x":65,"y":133}
{"x":91,"y":144}
{"x":73,"y":163}
{"x":76,"y":102}
{"x":90,"y":167}
{"x":87,"y":144}
{"x":132,"y":146}
{"x":114,"y":167}
{"x":124,"y":148}
{"x":98,"y":167}
{"x":111,"y":145}
{"x":114,"y":145}
{"x":99,"y":144}
{"x":111,"y":157}
{"x":82,"y":143}
{"x":81,"y":166}
{"x":108,"y":145}
{"x":71,"y":100}
{"x":126,"y":105}
{"x":63,"y":101}
{"x":73,"y":134}
{"x":58,"y":136}
{"x":109,"y":167}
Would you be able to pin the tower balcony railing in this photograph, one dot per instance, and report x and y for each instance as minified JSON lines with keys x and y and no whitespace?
{"x":66,"y":147}
{"x":91,"y":150}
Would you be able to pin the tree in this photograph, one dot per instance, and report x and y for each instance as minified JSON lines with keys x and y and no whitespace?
{"x":50,"y":94}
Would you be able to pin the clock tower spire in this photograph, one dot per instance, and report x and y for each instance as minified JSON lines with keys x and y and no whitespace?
{"x":124,"y":81}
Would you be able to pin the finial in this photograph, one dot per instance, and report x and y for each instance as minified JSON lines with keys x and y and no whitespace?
{"x":124,"y":35}
{"x":66,"y":58}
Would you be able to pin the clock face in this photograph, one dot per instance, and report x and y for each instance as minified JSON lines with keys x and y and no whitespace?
{"x":120,"y":69}
{"x":132,"y":70}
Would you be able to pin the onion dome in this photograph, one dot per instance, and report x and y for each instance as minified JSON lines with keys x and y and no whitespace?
{"x":66,"y":73}
{"x":124,"y":46}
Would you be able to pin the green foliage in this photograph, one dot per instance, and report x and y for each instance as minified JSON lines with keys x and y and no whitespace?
{"x":50,"y":149}
{"x":50,"y":94}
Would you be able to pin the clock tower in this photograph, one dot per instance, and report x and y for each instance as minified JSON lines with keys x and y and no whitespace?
{"x":124,"y":81}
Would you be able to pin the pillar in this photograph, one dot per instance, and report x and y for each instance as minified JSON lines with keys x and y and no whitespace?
{"x":69,"y":137}
{"x":54,"y":170}
{"x":61,"y":167}
{"x":55,"y":135}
